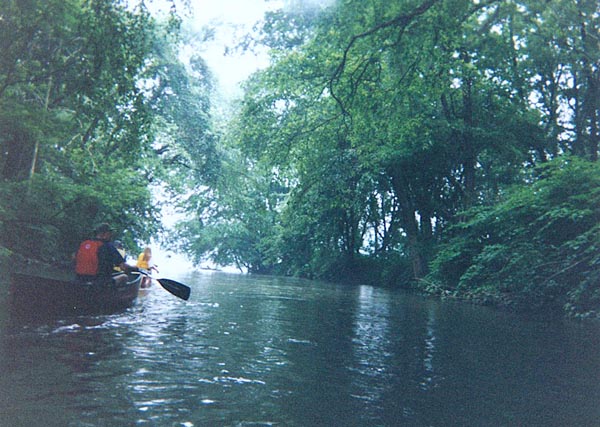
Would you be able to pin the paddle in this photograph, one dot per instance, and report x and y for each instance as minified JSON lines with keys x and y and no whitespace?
{"x":178,"y":289}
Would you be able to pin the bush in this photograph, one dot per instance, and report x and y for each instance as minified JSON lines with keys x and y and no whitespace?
{"x":537,"y":249}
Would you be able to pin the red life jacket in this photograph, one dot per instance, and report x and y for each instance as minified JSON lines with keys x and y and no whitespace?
{"x":86,"y":260}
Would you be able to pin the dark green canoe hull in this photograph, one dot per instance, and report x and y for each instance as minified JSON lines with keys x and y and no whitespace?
{"x":31,"y":295}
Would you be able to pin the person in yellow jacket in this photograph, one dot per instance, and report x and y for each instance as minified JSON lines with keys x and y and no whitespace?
{"x":144,"y":262}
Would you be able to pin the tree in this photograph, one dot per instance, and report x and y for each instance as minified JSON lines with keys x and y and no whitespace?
{"x":558,"y":49}
{"x":389,"y":123}
{"x":81,"y":104}
{"x":536,"y":248}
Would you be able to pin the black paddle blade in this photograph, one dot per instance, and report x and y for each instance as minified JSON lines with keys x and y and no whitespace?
{"x":178,"y":289}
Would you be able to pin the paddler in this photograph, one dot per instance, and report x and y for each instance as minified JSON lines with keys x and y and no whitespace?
{"x":96,"y":259}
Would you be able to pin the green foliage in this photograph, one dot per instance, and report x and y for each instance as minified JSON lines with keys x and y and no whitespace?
{"x":233,"y":224}
{"x":357,"y":102}
{"x":536,"y":248}
{"x":49,"y":215}
{"x":389,"y":138}
{"x":95,"y":108}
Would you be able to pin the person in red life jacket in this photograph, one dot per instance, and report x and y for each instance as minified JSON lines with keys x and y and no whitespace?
{"x":96,"y":258}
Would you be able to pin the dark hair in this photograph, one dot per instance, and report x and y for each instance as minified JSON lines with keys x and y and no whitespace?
{"x":103,"y":228}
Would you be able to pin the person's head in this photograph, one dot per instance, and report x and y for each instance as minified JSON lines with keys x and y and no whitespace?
{"x":104,"y":232}
{"x":147,"y":253}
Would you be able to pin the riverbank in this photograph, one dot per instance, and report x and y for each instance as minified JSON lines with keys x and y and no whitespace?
{"x":377,"y":275}
{"x":490,"y":296}
{"x":568,"y":300}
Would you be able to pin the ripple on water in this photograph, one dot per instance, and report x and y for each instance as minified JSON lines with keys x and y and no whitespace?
{"x":258,"y":352}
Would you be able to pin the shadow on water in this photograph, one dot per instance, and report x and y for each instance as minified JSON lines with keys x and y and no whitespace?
{"x":271,"y":351}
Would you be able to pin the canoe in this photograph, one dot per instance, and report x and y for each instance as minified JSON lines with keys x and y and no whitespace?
{"x":146,"y":281}
{"x":33,"y":295}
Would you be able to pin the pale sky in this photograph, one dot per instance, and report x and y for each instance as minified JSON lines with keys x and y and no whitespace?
{"x":232,"y":19}
{"x":236,"y":18}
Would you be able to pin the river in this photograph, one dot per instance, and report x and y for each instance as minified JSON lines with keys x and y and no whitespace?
{"x":261,"y":351}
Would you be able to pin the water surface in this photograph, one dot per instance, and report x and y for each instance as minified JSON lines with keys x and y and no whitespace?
{"x":257,"y":351}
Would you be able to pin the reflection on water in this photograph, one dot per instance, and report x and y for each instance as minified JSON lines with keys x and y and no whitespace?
{"x":429,"y":351}
{"x":371,"y":348}
{"x":265,"y":351}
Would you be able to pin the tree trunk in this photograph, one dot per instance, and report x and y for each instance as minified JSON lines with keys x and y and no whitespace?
{"x":408,"y":215}
{"x":36,"y":145}
{"x":470,"y":157}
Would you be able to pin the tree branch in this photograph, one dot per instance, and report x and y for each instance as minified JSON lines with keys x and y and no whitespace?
{"x":400,"y":20}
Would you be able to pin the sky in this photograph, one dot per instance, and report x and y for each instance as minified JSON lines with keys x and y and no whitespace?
{"x":232,"y":19}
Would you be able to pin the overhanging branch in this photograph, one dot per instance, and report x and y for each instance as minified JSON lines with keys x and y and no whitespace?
{"x":401,"y":21}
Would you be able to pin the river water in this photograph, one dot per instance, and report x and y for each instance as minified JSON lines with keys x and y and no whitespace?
{"x":259,"y":351}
